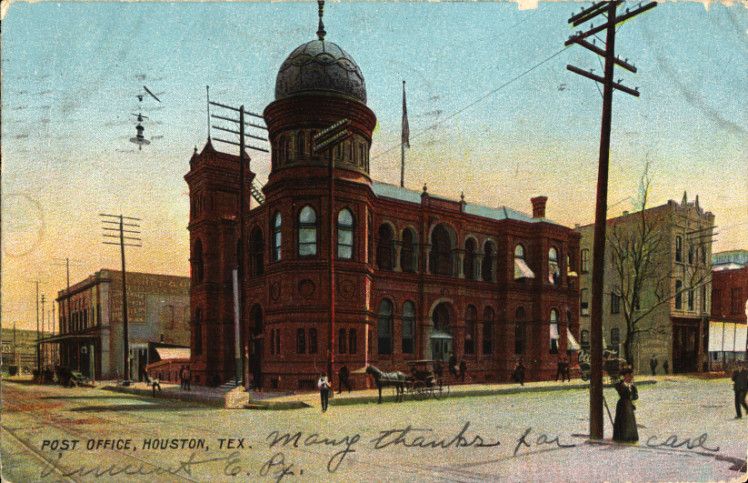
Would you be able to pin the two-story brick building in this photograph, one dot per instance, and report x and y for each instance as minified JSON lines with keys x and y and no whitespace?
{"x":416,"y":276}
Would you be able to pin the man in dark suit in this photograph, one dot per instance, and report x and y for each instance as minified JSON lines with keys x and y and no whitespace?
{"x":653,"y":365}
{"x":740,"y":386}
{"x":452,"y":365}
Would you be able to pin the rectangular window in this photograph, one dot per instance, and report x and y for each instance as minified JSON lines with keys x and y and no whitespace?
{"x":735,"y":300}
{"x":341,"y":341}
{"x":312,"y":341}
{"x":678,"y":294}
{"x":300,"y":341}
{"x":585,"y":267}
{"x":352,"y":342}
{"x":277,"y":341}
{"x":678,"y":249}
{"x":615,"y":303}
{"x":703,"y":298}
{"x":690,"y":299}
{"x":584,"y":304}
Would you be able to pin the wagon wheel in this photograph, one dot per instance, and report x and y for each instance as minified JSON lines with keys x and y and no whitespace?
{"x":419,"y":390}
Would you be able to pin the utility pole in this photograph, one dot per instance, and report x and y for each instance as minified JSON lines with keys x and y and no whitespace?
{"x":117,"y":223}
{"x":38,"y":355}
{"x":324,"y":142}
{"x":260,"y":198}
{"x":608,"y":9}
{"x":42,"y":354}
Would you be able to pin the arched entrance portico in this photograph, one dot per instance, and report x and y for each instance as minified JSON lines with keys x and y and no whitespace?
{"x":440,"y":333}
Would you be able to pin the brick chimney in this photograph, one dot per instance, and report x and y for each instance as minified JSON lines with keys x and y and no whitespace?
{"x":538,"y":206}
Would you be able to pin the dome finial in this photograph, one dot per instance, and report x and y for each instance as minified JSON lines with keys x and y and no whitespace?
{"x":321,"y":29}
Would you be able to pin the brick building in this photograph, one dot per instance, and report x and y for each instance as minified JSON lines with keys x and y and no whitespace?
{"x":416,"y":276}
{"x":673,"y":243}
{"x":90,"y":334}
{"x":727,"y":324}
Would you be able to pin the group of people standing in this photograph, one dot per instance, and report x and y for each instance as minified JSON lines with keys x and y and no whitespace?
{"x":454,"y":368}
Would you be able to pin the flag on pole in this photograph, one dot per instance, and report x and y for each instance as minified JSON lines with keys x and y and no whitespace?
{"x":406,"y":128}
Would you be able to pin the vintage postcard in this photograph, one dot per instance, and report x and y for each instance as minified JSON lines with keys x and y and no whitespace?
{"x":374,"y":241}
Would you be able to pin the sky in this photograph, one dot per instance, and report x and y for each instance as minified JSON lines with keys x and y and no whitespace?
{"x":493,"y":113}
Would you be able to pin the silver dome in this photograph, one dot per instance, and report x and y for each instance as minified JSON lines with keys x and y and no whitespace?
{"x":320,"y":66}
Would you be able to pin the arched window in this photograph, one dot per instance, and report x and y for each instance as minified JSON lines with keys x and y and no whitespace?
{"x":385,"y":248}
{"x":553,"y":330}
{"x":469,"y":266}
{"x":300,"y":341}
{"x":441,"y":251}
{"x":345,"y":234}
{"x":256,"y":246}
{"x":198,"y":330}
{"x":409,"y":327}
{"x":198,"y":268}
{"x":554,"y":273}
{"x":471,"y":316}
{"x":519,"y":331}
{"x":489,"y":251}
{"x":488,"y":316}
{"x":384,"y":327}
{"x":307,"y":232}
{"x":407,"y":252}
{"x":277,"y":222}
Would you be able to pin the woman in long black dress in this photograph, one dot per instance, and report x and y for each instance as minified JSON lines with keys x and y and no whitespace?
{"x":624,"y":427}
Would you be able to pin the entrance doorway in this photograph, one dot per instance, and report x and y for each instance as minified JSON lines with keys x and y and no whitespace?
{"x":685,"y":348}
{"x":441,"y":332}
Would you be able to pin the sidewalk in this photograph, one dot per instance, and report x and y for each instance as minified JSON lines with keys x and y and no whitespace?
{"x":237,"y":398}
{"x":369,"y":396}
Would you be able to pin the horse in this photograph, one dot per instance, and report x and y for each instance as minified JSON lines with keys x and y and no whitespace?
{"x":396,"y":379}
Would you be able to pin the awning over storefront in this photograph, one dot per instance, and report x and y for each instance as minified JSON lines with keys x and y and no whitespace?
{"x":571,"y":342}
{"x":168,"y":353}
{"x":521,"y":270}
{"x":727,"y":336}
{"x":61,"y":338}
{"x":438,"y":334}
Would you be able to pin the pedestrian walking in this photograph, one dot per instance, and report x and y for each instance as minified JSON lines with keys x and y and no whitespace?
{"x":187,"y":378}
{"x":324,"y":390}
{"x":560,"y":369}
{"x":181,"y":378}
{"x":452,"y":365}
{"x":740,"y":386}
{"x":519,"y":373}
{"x":666,"y":366}
{"x":653,"y":364}
{"x":344,"y":375}
{"x":463,"y":370}
{"x":567,"y":371}
{"x":624,"y":426}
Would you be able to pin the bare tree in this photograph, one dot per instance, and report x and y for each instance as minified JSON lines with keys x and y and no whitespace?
{"x":643,"y":273}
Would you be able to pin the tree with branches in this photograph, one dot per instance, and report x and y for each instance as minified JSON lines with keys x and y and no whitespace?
{"x":643,"y":273}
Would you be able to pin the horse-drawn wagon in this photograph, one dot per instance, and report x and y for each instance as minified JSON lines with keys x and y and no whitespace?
{"x":425,"y":380}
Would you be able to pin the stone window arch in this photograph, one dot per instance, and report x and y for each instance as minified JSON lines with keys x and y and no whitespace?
{"x":409,"y":327}
{"x":345,"y":234}
{"x":408,"y":251}
{"x":489,"y":255}
{"x":384,"y":327}
{"x":440,"y":256}
{"x":386,"y":247}
{"x":307,"y":232}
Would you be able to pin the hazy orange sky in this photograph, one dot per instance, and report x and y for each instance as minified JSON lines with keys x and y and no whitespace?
{"x":71,"y":72}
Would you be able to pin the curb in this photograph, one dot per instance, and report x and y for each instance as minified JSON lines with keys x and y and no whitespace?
{"x":147,"y":393}
{"x":349,"y":401}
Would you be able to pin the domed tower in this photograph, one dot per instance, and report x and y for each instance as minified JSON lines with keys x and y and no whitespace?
{"x":307,"y":321}
{"x":318,"y":85}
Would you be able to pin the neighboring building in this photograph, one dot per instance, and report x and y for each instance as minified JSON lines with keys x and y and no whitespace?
{"x":417,"y":276}
{"x":729,"y":260}
{"x":727,"y":325}
{"x":166,"y":362}
{"x":675,"y":294}
{"x":19,"y":349}
{"x":90,"y":321}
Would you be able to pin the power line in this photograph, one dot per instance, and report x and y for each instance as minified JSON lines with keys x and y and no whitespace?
{"x":468,"y":106}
